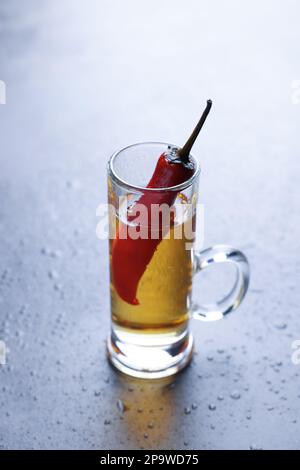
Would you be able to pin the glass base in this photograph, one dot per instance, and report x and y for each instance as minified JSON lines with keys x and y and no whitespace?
{"x":149,"y":356}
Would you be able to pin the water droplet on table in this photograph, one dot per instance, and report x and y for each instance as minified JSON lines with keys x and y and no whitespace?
{"x":235,"y":395}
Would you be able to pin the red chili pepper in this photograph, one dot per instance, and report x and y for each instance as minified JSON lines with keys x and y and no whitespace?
{"x":131,"y":256}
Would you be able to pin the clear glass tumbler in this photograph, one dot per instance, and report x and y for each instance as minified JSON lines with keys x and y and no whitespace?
{"x":150,"y":335}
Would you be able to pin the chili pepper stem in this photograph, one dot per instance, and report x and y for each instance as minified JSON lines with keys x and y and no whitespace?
{"x":184,"y":151}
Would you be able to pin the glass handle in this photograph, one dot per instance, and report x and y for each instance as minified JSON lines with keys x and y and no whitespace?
{"x":222,"y":254}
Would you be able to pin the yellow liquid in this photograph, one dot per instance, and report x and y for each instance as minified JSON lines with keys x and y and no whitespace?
{"x":163,"y":291}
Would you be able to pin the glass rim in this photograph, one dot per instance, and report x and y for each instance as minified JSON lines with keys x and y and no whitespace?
{"x":130,"y":186}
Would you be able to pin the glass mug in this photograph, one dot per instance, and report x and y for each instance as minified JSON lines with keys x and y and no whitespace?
{"x":153,"y":339}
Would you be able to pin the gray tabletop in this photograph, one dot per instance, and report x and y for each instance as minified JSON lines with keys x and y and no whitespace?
{"x":83,"y":79}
